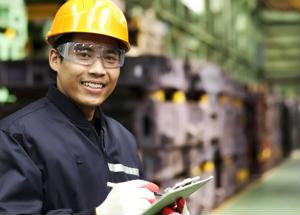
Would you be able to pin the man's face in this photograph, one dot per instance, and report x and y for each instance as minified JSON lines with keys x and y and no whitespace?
{"x":88,"y":86}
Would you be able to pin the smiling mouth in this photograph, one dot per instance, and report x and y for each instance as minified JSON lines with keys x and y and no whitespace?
{"x":93,"y":85}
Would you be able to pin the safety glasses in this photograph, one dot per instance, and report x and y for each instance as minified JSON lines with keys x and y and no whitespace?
{"x":87,"y":54}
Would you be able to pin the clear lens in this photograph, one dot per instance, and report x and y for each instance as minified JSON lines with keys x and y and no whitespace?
{"x":87,"y":54}
{"x":82,"y":53}
{"x":111,"y":57}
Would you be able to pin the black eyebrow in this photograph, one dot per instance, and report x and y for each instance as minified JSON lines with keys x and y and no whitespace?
{"x":83,"y":48}
{"x":112,"y":50}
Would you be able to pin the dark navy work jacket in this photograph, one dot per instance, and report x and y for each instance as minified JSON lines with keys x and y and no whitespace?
{"x":53,"y":161}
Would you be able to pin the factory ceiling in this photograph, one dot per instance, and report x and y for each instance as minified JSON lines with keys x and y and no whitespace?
{"x":280,"y":22}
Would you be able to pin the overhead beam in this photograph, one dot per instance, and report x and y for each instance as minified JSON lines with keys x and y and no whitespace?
{"x":205,"y":37}
{"x":282,"y":46}
{"x":287,"y":39}
{"x":279,"y":73}
{"x":295,"y":80}
{"x":282,"y":66}
{"x":282,"y":58}
{"x":291,"y":46}
{"x":282,"y":53}
{"x":276,"y":16}
{"x":280,"y":30}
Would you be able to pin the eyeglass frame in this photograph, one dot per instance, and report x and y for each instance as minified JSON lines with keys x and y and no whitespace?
{"x":64,"y":51}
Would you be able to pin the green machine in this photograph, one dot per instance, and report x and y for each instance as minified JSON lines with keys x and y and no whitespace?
{"x":6,"y":96}
{"x":13,"y":29}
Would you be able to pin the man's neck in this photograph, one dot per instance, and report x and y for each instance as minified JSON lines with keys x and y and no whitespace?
{"x":89,"y":112}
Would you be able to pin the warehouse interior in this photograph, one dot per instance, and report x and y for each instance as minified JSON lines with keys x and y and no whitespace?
{"x":209,"y":88}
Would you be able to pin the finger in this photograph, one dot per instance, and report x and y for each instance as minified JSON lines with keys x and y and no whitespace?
{"x":144,"y":193}
{"x":151,"y":186}
{"x":152,"y":201}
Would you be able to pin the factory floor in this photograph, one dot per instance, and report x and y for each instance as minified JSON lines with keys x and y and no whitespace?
{"x":276,"y":192}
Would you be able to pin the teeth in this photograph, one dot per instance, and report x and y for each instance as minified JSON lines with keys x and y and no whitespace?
{"x":93,"y":85}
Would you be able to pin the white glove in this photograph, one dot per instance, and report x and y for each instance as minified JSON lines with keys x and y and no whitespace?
{"x":128,"y":198}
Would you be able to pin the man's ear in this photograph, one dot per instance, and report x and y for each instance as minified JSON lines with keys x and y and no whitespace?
{"x":54,"y":59}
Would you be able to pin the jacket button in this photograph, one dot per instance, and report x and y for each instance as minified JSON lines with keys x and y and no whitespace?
{"x":79,"y":160}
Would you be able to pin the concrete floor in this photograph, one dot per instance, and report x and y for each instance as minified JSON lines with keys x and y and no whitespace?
{"x":277,"y":192}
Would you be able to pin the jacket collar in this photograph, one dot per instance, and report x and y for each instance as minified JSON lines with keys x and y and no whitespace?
{"x":70,"y":109}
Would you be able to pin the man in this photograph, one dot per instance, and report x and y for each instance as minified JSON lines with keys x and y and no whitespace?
{"x":61,"y":154}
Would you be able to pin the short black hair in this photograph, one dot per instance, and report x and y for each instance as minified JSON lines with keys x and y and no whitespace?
{"x":64,"y":38}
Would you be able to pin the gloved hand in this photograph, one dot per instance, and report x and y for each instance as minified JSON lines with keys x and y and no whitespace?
{"x":177,"y":208}
{"x":131,"y":197}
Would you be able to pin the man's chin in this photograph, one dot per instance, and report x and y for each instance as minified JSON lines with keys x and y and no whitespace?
{"x":93,"y":104}
{"x":89,"y":104}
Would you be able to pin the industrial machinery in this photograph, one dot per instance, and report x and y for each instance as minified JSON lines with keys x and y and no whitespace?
{"x":13,"y":29}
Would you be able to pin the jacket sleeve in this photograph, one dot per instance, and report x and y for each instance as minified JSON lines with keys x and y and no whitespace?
{"x":21,"y":181}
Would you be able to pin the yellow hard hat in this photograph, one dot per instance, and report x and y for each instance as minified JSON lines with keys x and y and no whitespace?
{"x":90,"y":16}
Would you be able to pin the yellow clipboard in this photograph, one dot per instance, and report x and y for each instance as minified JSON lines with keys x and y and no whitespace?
{"x":183,"y":189}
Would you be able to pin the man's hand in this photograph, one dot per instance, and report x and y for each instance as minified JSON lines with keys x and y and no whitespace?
{"x":178,"y":207}
{"x":131,"y":197}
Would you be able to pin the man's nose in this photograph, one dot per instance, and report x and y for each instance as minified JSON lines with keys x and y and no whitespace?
{"x":97,"y":68}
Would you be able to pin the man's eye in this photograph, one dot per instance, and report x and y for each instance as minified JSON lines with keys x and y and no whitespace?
{"x":84,"y":54}
{"x":111,"y":57}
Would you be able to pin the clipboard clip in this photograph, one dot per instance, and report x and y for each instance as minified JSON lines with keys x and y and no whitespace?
{"x":183,"y":183}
